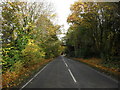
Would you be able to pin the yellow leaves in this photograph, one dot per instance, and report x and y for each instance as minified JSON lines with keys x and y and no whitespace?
{"x":2,"y":62}
{"x":18,"y":65}
{"x":9,"y":2}
{"x":30,"y":42}
{"x":29,"y":23}
{"x":53,"y":15}
{"x":13,"y":4}
{"x":33,"y":50}
{"x":106,"y":6}
{"x":14,"y":35}
{"x":26,"y":74}
{"x":6,"y":8}
{"x":85,"y":5}
{"x":73,"y":18}
{"x":42,"y":54}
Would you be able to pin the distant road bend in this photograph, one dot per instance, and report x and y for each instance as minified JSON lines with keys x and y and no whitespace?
{"x":66,"y":73}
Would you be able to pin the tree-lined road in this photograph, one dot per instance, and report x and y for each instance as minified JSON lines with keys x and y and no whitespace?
{"x":65,"y":73}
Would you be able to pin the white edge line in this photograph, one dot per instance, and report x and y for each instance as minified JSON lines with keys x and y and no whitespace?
{"x":33,"y":77}
{"x":72,"y":75}
{"x":104,"y":75}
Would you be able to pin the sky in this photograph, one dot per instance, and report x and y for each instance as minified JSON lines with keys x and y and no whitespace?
{"x":62,"y":8}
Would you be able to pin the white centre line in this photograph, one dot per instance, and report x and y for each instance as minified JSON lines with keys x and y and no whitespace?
{"x":33,"y":77}
{"x":72,"y":75}
{"x":63,"y":59}
{"x":69,"y":71}
{"x":66,"y":64}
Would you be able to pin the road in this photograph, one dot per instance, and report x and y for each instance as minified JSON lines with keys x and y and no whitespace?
{"x":66,"y":73}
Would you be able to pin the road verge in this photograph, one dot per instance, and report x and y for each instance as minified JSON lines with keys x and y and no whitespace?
{"x":18,"y":79}
{"x":99,"y":67}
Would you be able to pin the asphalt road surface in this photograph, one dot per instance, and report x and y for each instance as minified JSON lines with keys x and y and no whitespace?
{"x":66,"y":73}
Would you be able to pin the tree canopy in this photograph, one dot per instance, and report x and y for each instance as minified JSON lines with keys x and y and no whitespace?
{"x":28,"y":33}
{"x":94,"y":30}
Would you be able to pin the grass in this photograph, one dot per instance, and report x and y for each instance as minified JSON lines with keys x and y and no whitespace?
{"x":108,"y":68}
{"x":16,"y":79}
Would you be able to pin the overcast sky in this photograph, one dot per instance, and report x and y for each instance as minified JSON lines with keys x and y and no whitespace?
{"x":62,"y":8}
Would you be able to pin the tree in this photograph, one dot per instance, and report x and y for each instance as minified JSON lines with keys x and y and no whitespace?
{"x":28,"y":33}
{"x":95,"y":28}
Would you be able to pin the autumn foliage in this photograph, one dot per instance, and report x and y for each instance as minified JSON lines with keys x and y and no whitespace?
{"x":29,"y":39}
{"x":95,"y":32}
{"x":13,"y":79}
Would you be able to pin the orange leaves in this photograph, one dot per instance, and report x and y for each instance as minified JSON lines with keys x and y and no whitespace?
{"x":74,"y":18}
{"x":8,"y":78}
{"x":13,"y":79}
{"x":76,"y":6}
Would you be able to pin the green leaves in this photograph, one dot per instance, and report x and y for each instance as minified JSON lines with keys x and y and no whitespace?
{"x":93,"y":29}
{"x":29,"y":34}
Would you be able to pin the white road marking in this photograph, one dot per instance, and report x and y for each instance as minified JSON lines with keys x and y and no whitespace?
{"x":109,"y":77}
{"x":66,"y":64}
{"x":63,"y":59}
{"x":72,"y":75}
{"x":33,"y":77}
{"x":69,"y":71}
